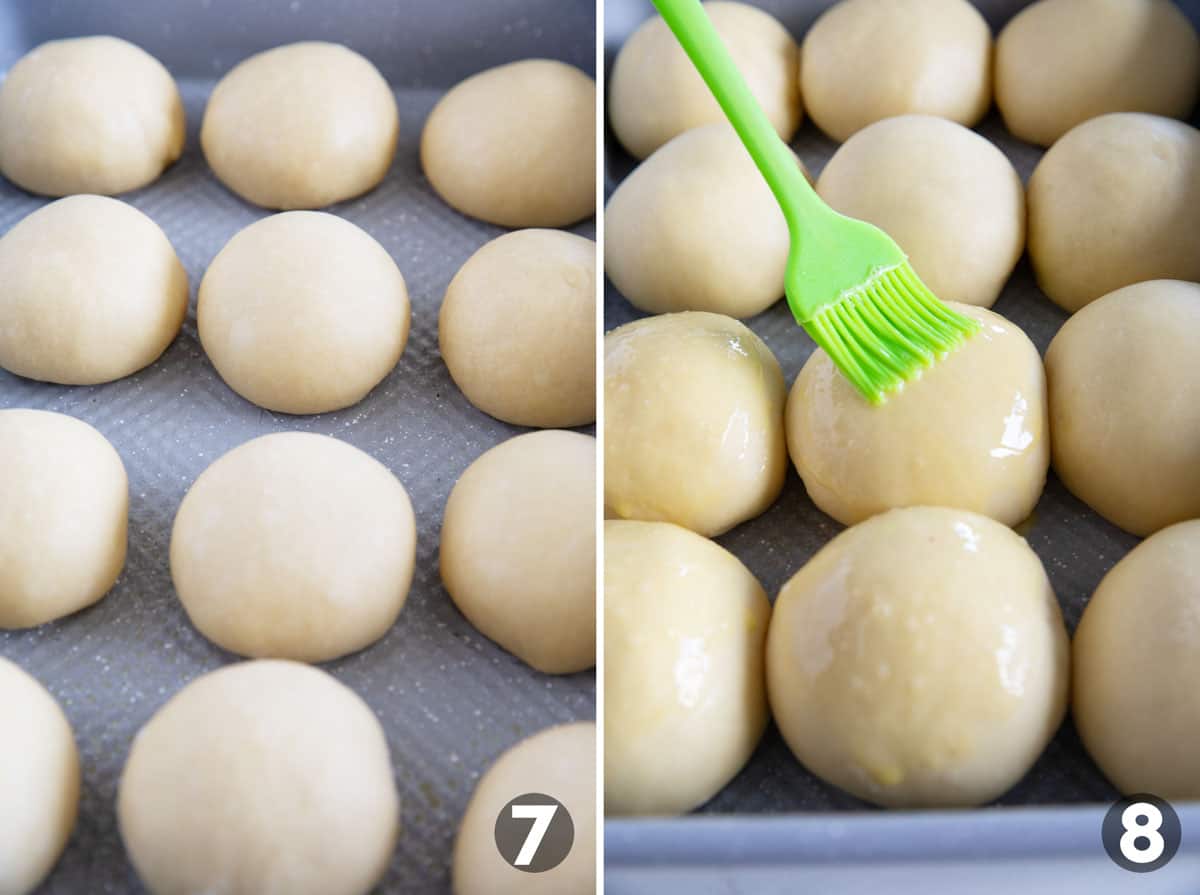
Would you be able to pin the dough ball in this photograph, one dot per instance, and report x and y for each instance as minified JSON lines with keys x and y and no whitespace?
{"x":263,"y":776}
{"x":64,"y":510}
{"x":1124,"y":381}
{"x":39,"y":776}
{"x":685,"y":627}
{"x":90,"y":291}
{"x":516,"y":145}
{"x":559,"y":762}
{"x":518,"y":552}
{"x":655,"y":93}
{"x":1061,"y":62}
{"x":919,"y":660}
{"x":88,"y":115}
{"x":517,"y":328}
{"x":864,"y":60}
{"x":301,"y":126}
{"x":1135,"y":668}
{"x":1115,"y":202}
{"x":294,"y":546}
{"x":693,"y":422}
{"x":951,"y":199}
{"x":969,"y":432}
{"x":695,"y":228}
{"x":303,"y":312}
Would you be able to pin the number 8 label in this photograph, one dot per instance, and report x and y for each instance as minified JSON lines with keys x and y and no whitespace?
{"x":1141,"y":832}
{"x":1142,"y":820}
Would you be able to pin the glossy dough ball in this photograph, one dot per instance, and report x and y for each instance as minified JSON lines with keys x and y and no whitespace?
{"x":919,"y":660}
{"x":518,"y":552}
{"x":516,"y":145}
{"x":301,"y":126}
{"x":294,"y":546}
{"x":685,"y":627}
{"x":517,"y":328}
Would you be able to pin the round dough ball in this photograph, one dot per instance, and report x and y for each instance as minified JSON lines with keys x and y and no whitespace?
{"x":919,"y":660}
{"x":969,"y":432}
{"x":864,"y":60}
{"x":301,"y":126}
{"x":1124,"y":382}
{"x":559,"y":762}
{"x":685,"y":627}
{"x":1061,"y":62}
{"x":693,"y":425}
{"x":90,"y":291}
{"x":1135,"y":667}
{"x":88,"y":115}
{"x":518,"y":553}
{"x":951,"y":199}
{"x":517,"y":328}
{"x":303,"y":312}
{"x":64,"y":511}
{"x":1115,"y":202}
{"x":263,"y":776}
{"x":516,"y":145}
{"x":655,"y":93}
{"x":39,"y":776}
{"x":294,"y":546}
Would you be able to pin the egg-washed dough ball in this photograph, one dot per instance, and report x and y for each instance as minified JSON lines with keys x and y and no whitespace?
{"x":864,"y":60}
{"x":516,"y":145}
{"x":264,"y":776}
{"x":1124,"y":383}
{"x":1061,"y":62}
{"x":919,"y":660}
{"x":968,"y":432}
{"x":517,"y":328}
{"x":64,"y":512}
{"x":294,"y":546}
{"x":951,"y":199}
{"x":1115,"y":202}
{"x":301,"y":126}
{"x":90,"y":291}
{"x":559,"y":762}
{"x":303,"y":312}
{"x":685,"y":627}
{"x":518,"y":553}
{"x":39,"y":776}
{"x":655,"y":93}
{"x":88,"y":115}
{"x":693,"y":424}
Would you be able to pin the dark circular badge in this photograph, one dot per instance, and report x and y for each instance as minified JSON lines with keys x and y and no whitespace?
{"x":535,"y":832}
{"x":1141,"y":832}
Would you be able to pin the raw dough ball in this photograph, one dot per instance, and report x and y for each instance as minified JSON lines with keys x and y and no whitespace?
{"x":951,"y":199}
{"x":655,"y":93}
{"x":693,"y":429}
{"x":1115,"y":202}
{"x":294,"y":546}
{"x":517,"y":328}
{"x":1124,"y":379}
{"x":1061,"y":62}
{"x":301,"y":126}
{"x":864,"y":60}
{"x":559,"y":762}
{"x":919,"y":660}
{"x":64,"y":510}
{"x":303,"y":312}
{"x":1135,"y":668}
{"x":90,"y":291}
{"x":259,"y":777}
{"x":88,"y":115}
{"x":685,"y":630}
{"x":39,"y":776}
{"x":516,"y":145}
{"x":970,"y":432}
{"x":518,"y":552}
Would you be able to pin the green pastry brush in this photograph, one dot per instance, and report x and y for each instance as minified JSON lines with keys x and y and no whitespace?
{"x":848,"y":283}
